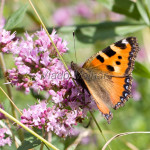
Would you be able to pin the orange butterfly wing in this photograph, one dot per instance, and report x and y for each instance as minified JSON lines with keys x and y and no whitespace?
{"x":99,"y":94}
{"x":120,"y":90}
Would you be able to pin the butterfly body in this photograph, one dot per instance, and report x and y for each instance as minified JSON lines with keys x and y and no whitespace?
{"x":107,"y":75}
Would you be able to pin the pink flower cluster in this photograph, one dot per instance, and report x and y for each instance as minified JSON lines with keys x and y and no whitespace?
{"x":86,"y":10}
{"x":36,"y":61}
{"x":2,"y":23}
{"x":6,"y":40}
{"x":136,"y":95}
{"x":60,"y":118}
{"x":68,"y":13}
{"x":39,"y":68}
{"x":4,"y":138}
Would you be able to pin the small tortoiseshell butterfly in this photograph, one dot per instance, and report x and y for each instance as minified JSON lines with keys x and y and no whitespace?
{"x":107,"y":75}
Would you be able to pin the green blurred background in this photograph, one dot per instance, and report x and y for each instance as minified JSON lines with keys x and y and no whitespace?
{"x":97,"y":24}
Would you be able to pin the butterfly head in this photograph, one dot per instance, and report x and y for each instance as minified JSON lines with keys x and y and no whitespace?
{"x":74,"y":66}
{"x":78,"y":71}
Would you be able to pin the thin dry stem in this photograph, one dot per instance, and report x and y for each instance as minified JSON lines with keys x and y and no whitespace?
{"x":123,"y":134}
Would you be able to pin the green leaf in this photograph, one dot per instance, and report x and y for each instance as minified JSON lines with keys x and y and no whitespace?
{"x":33,"y":17}
{"x":142,"y":11}
{"x":126,"y":7}
{"x":90,"y":33}
{"x":29,"y":143}
{"x":147,"y":4}
{"x":123,"y":30}
{"x":105,"y":30}
{"x":141,"y":70}
{"x":56,"y":141}
{"x":19,"y":30}
{"x":15,"y":18}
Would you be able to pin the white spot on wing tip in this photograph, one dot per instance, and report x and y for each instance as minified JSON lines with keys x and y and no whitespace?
{"x":124,"y":41}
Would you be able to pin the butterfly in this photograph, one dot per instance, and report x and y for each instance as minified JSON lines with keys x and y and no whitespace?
{"x":107,"y":75}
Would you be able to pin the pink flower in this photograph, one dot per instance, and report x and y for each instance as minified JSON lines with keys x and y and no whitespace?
{"x":2,"y":23}
{"x":63,"y":16}
{"x":38,"y":68}
{"x":89,"y":138}
{"x":136,"y":95}
{"x":59,"y":118}
{"x":141,"y":55}
{"x":4,"y":138}
{"x":83,"y":10}
{"x":115,"y":16}
{"x":36,"y":62}
{"x":6,"y":40}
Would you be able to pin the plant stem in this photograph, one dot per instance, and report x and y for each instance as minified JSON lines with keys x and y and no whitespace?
{"x":44,"y":133}
{"x":9,"y":96}
{"x":14,"y":106}
{"x":3,"y":67}
{"x":100,"y":130}
{"x":29,"y":130}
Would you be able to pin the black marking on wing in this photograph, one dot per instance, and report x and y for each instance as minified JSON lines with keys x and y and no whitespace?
{"x":100,"y":58}
{"x":120,"y":44}
{"x":126,"y":94}
{"x":110,"y":68}
{"x":133,"y":53}
{"x":118,"y":62}
{"x":119,"y":57}
{"x":108,"y":51}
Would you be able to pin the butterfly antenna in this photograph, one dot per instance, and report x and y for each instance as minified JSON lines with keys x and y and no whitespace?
{"x":74,"y":46}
